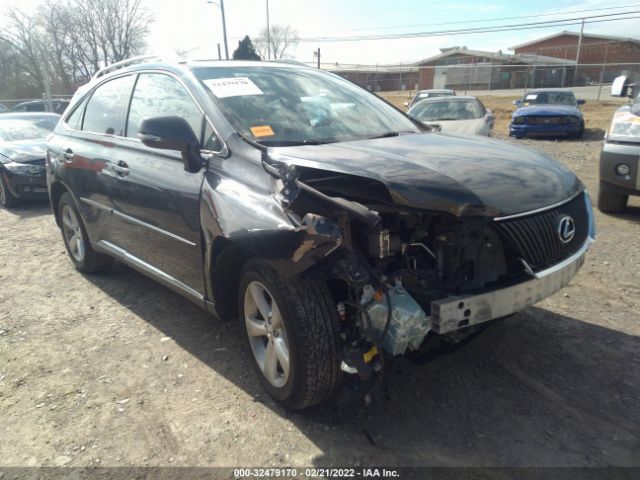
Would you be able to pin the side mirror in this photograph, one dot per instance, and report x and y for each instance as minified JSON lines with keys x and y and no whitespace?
{"x":406,"y":104}
{"x":580,"y":102}
{"x":517,"y":103}
{"x":172,"y":133}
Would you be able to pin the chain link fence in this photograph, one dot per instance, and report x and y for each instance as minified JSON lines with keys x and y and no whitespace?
{"x":488,"y":79}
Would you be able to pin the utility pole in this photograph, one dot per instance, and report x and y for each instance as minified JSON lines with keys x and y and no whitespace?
{"x":268,"y":34}
{"x":604,"y":66}
{"x":224,"y":30}
{"x":579,"y":43}
{"x":219,"y":53}
{"x":316,"y":53}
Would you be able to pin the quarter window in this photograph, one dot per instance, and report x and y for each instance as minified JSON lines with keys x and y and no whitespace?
{"x":74,"y":120}
{"x":158,"y":95}
{"x":106,"y":109}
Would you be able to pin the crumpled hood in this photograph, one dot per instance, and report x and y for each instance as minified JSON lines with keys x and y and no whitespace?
{"x":467,"y":127}
{"x":462,"y":175}
{"x":23,"y":151}
{"x":548,"y":110}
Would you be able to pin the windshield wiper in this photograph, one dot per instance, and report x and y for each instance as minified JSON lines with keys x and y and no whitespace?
{"x":296,"y":143}
{"x":389,"y":134}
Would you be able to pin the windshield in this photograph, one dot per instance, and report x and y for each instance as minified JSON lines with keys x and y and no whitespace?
{"x":295,"y":106}
{"x":549,"y":98}
{"x":446,"y":110}
{"x":26,"y":128}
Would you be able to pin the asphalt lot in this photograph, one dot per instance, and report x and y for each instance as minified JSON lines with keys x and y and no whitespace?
{"x":115,"y":369}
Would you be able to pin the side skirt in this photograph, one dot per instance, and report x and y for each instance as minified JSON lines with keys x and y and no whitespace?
{"x":155,"y":273}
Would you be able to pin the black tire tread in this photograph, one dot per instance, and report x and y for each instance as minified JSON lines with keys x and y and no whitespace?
{"x":94,"y":262}
{"x":611,"y":202}
{"x":10,"y":201}
{"x":309,"y":304}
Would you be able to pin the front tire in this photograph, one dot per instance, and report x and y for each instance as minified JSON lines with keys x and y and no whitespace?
{"x":609,"y":202}
{"x":6,"y":197}
{"x":291,"y":330}
{"x":76,"y":240}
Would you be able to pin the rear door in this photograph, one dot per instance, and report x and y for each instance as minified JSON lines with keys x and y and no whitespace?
{"x":86,"y":145}
{"x":157,"y":202}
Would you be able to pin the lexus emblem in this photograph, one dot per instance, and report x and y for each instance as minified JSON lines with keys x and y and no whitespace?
{"x":566,"y":229}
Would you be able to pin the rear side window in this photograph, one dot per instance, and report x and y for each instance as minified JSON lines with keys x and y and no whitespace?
{"x":158,"y":95}
{"x":74,"y":120}
{"x":107,"y":106}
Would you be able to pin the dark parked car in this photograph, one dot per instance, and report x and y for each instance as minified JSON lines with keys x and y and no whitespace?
{"x":334,"y":227}
{"x":620,"y":156}
{"x":22,"y":149}
{"x":58,"y":106}
{"x":547,"y":112}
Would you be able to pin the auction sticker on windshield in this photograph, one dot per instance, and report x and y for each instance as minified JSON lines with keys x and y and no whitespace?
{"x":232,"y":87}
{"x":262,"y":131}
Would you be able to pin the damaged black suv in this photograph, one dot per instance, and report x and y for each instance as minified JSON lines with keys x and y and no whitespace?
{"x":334,"y":227}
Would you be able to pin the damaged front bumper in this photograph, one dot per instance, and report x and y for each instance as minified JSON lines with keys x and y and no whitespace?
{"x":452,"y":313}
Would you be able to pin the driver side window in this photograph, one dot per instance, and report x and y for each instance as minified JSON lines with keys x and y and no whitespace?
{"x":160,"y":95}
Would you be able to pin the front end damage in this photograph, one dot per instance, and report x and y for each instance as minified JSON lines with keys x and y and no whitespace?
{"x":399,"y":274}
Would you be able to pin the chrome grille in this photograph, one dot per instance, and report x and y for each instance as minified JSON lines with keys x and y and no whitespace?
{"x":535,"y":237}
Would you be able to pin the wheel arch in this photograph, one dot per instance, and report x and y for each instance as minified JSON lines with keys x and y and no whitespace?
{"x":226,"y":265}
{"x":56,"y":190}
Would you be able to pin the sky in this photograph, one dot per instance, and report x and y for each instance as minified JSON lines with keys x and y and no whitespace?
{"x":195,"y":25}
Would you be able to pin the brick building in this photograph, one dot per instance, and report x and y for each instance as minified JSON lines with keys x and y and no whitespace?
{"x":546,"y":62}
{"x":462,"y":68}
{"x":594,"y":51}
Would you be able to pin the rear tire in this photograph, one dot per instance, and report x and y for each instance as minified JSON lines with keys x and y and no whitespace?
{"x":76,"y":240}
{"x":580,"y":132}
{"x":6,"y":197}
{"x":611,"y":202}
{"x":302,"y":323}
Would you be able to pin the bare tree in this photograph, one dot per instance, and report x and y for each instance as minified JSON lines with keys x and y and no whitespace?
{"x":26,"y":39}
{"x":281,"y":38}
{"x":66,"y":41}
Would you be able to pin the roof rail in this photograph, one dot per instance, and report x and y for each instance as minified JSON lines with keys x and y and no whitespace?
{"x":123,"y":63}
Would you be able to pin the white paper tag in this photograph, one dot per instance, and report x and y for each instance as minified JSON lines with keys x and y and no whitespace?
{"x":531,"y":97}
{"x":232,"y":87}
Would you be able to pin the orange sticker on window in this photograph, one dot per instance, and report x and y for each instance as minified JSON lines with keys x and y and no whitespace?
{"x":262,"y":131}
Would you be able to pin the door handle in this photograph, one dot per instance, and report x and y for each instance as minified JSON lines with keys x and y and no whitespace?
{"x":68,"y":155}
{"x":121,"y":168}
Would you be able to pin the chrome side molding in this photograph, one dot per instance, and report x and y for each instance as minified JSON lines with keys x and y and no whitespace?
{"x":130,"y":219}
{"x":153,"y":272}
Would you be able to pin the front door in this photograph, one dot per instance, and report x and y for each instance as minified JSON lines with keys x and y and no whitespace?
{"x":156,"y":202}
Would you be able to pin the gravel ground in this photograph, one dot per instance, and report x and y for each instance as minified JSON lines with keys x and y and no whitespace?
{"x":117,"y":370}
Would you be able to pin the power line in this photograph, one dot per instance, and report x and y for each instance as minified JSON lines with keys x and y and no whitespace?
{"x":489,"y":19}
{"x":488,"y":29}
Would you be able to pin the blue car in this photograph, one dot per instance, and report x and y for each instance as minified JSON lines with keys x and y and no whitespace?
{"x":547,"y":112}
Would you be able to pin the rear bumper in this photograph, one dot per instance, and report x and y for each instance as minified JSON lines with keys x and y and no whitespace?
{"x":543,"y":130}
{"x":452,"y":313}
